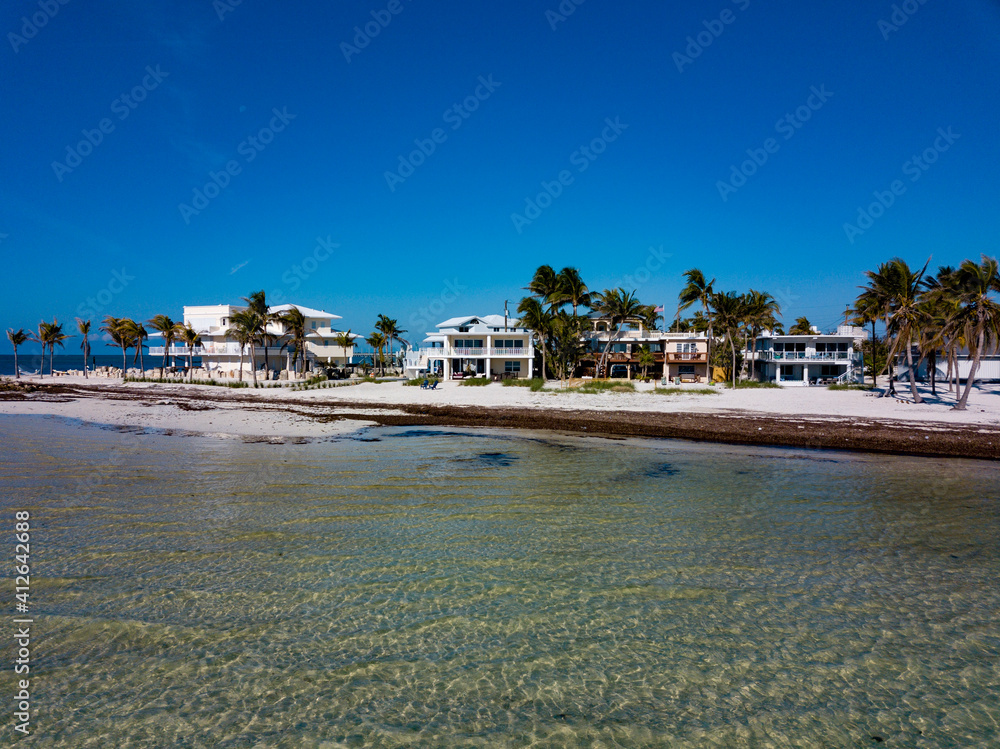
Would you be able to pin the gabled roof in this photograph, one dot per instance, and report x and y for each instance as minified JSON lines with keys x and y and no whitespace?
{"x":306,"y":311}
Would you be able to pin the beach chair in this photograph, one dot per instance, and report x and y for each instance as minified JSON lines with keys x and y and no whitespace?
{"x":425,"y":385}
{"x":433,"y":385}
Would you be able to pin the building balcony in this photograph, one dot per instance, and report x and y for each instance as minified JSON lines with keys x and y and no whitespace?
{"x":686,"y":356}
{"x":835,"y":356}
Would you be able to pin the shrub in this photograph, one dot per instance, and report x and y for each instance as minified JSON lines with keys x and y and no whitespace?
{"x":535,"y":383}
{"x":750,"y":384}
{"x":606,"y":386}
{"x":476,"y":381}
{"x":850,"y":386}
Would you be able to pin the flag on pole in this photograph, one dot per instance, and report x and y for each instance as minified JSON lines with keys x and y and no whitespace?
{"x":658,"y":309}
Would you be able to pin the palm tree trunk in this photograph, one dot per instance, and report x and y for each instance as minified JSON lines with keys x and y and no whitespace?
{"x":913,"y":378}
{"x":52,"y":351}
{"x":732,"y":345}
{"x":142,"y":360}
{"x":191,"y":363}
{"x":86,"y":355}
{"x":240,"y":378}
{"x":166,"y":350}
{"x":253,"y":362}
{"x":17,"y":369}
{"x":980,"y":343}
{"x":932,"y":360}
{"x":124,"y":362}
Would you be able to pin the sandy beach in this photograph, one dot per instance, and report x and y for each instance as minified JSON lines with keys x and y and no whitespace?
{"x":804,"y":417}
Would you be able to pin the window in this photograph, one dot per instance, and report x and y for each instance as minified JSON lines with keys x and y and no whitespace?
{"x":314,"y":323}
{"x":512,"y":366}
{"x":685,"y":369}
{"x":687,"y":348}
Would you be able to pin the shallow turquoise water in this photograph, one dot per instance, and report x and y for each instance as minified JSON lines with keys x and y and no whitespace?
{"x":438,"y":588}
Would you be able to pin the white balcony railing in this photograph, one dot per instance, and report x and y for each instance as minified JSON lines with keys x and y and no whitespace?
{"x":839,"y":356}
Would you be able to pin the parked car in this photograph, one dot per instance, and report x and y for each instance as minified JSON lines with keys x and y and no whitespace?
{"x":618,"y":370}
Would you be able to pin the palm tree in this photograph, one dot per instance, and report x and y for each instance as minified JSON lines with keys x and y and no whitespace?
{"x":906,"y":316}
{"x":698,"y":289}
{"x":645,"y":359}
{"x":544,"y":284}
{"x":978,"y":316}
{"x":941,"y":303}
{"x":570,"y":288}
{"x":42,"y":337}
{"x":246,"y":326}
{"x":191,"y":338}
{"x":762,"y":314}
{"x":880,"y":296}
{"x":84,"y":327}
{"x":17,"y":338}
{"x":802,"y":326}
{"x":377,"y":341}
{"x":567,"y":343}
{"x":54,"y":337}
{"x":257,"y":302}
{"x":390,"y":329}
{"x":119,"y":331}
{"x":295,"y":327}
{"x":538,"y":320}
{"x":139,"y":334}
{"x":729,"y":313}
{"x":345,"y":341}
{"x":618,"y":307}
{"x":169,"y":330}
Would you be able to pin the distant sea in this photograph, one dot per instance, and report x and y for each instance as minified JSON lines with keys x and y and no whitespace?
{"x":32,"y":362}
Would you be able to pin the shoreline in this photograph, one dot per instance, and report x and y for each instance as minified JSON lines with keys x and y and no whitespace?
{"x":333,"y":412}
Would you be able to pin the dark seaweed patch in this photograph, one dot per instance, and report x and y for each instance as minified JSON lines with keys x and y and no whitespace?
{"x":489,"y":460}
{"x":661,"y":469}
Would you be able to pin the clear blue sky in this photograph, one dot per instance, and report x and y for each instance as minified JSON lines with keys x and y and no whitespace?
{"x":442,"y":238}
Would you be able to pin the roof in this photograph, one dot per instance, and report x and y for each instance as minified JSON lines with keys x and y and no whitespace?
{"x":306,"y":311}
{"x":490,"y":321}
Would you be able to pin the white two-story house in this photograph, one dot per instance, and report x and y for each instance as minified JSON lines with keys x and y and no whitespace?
{"x":476,"y":346}
{"x":218,"y":354}
{"x":812,"y":359}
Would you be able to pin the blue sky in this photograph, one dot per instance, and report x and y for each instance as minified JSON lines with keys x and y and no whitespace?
{"x":321,"y":193}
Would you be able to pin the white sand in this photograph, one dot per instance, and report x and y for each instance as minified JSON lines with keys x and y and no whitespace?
{"x":231,"y":415}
